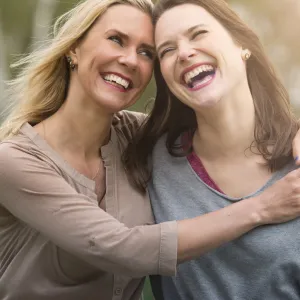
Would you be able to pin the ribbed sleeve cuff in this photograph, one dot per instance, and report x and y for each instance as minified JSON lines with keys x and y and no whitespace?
{"x":168,"y":249}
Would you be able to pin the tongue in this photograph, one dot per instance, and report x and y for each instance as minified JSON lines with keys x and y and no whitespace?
{"x":196,"y":82}
{"x":202,"y":78}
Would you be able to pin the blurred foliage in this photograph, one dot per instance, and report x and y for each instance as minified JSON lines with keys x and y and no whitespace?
{"x":25,"y":23}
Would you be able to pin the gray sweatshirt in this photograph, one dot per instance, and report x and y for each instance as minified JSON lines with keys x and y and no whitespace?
{"x":264,"y":264}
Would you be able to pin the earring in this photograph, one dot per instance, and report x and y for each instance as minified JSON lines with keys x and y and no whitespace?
{"x":71,"y":64}
{"x":246,"y":54}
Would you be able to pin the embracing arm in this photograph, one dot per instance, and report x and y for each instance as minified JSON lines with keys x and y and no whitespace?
{"x":277,"y":204}
{"x":38,"y":196}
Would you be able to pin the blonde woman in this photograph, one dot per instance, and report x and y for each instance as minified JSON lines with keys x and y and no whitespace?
{"x":71,"y":225}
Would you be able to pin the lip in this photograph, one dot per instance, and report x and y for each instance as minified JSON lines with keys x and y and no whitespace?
{"x":201,"y":86}
{"x":192,"y":68}
{"x":120,"y":75}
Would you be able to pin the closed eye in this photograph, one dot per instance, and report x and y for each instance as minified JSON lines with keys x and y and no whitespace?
{"x":197,"y":33}
{"x":165,"y":51}
{"x":116,"y":39}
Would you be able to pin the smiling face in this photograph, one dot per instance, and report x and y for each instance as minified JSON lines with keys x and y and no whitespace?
{"x":199,"y":60}
{"x":115,"y":60}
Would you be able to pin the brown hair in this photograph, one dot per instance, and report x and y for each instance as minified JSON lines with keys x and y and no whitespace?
{"x":275,"y":124}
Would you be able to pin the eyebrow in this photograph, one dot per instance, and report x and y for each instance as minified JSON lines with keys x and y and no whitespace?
{"x":126,"y":37}
{"x":188,"y":31}
{"x":149,"y":47}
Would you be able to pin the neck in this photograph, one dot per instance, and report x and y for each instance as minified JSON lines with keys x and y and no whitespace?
{"x":227,"y":129}
{"x":79,"y":127}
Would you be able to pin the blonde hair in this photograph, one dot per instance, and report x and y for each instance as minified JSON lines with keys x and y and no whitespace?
{"x":41,"y":87}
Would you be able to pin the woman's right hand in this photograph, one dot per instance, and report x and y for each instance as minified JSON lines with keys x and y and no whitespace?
{"x":280,"y":202}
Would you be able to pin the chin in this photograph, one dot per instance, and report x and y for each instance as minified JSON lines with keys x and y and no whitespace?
{"x":112,"y":105}
{"x":205,"y":103}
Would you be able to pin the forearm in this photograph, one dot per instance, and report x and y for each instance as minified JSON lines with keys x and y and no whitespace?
{"x":201,"y":234}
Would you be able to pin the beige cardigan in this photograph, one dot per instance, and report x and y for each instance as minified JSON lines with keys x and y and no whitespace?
{"x":55,"y":241}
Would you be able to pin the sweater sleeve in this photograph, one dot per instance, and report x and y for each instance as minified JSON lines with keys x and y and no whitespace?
{"x":35,"y":193}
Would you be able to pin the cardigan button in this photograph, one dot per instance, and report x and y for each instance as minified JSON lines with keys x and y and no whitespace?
{"x":118,"y":291}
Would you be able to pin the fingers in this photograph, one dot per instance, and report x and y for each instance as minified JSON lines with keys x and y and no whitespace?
{"x":281,"y":202}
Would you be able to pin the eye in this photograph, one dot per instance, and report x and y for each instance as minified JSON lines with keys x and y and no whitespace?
{"x":116,"y":39}
{"x":148,"y":53}
{"x":197,"y":33}
{"x":165,"y":51}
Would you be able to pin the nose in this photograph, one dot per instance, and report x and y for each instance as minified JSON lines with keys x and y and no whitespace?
{"x":129,"y":59}
{"x":185,"y":51}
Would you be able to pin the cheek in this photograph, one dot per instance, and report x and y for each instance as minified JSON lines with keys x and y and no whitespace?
{"x":149,"y":72}
{"x":166,"y":73}
{"x":86,"y":62}
{"x":170,"y":80}
{"x":237,"y":66}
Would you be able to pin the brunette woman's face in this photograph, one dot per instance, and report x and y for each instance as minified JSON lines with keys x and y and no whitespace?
{"x":200,"y":61}
{"x":115,"y":59}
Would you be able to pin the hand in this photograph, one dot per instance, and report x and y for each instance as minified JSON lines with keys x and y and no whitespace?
{"x":281,"y":202}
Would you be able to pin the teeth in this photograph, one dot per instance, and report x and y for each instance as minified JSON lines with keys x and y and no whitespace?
{"x":189,"y":75}
{"x":119,"y":80}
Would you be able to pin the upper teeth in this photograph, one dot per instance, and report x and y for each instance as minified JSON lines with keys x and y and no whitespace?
{"x":117,"y":79}
{"x":189,"y":75}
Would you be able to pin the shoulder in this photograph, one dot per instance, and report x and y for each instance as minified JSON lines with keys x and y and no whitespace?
{"x":160,"y":146}
{"x":127,"y":123}
{"x":12,"y":151}
{"x":19,"y":155}
{"x":128,"y":118}
{"x":289,"y":167}
{"x":160,"y":155}
{"x":14,"y":158}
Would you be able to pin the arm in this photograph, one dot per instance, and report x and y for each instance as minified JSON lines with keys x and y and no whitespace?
{"x":37,"y":195}
{"x":279,"y":203}
{"x":220,"y":226}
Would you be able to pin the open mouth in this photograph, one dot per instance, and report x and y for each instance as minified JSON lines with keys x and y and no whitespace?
{"x":199,"y":76}
{"x":118,"y":81}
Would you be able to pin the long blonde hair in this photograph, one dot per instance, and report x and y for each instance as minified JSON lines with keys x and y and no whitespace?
{"x":42,"y":84}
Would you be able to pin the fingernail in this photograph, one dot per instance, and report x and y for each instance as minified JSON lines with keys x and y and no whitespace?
{"x":296,"y":158}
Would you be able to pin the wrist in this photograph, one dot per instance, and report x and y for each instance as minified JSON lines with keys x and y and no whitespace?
{"x":255,"y":210}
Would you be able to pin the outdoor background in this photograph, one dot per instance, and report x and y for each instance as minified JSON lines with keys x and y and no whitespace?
{"x":26,"y":23}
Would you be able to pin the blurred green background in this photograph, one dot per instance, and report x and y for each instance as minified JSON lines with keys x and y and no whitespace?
{"x":26,"y":23}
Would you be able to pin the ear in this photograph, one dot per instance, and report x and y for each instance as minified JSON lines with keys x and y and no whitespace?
{"x":73,"y":53}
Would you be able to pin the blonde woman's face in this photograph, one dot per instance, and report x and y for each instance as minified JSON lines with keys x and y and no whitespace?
{"x":115,"y":59}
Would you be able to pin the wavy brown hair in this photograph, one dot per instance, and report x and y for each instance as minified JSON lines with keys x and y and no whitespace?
{"x":275,"y":124}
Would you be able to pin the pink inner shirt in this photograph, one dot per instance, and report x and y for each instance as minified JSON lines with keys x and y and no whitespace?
{"x":197,"y":165}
